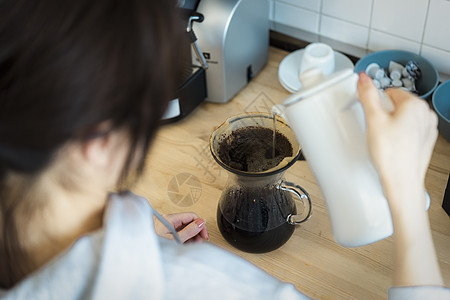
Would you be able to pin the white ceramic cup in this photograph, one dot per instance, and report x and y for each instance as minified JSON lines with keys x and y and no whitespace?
{"x":318,"y":55}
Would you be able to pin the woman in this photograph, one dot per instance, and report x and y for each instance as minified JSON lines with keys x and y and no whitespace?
{"x":82,"y":90}
{"x":83,"y":85}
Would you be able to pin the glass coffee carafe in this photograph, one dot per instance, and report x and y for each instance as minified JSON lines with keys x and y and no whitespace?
{"x":257,"y":212}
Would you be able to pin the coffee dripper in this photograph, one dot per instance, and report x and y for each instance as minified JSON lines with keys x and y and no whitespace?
{"x":256,"y":211}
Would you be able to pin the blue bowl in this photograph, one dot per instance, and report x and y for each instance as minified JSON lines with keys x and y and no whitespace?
{"x":441,"y":104}
{"x":425,"y":85}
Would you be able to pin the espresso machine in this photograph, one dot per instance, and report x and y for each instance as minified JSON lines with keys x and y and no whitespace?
{"x":229,"y":44}
{"x":234,"y":38}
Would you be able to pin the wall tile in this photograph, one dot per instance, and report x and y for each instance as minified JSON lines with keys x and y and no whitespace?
{"x":356,"y":11}
{"x":420,"y":26}
{"x":345,"y":32}
{"x":296,"y":17}
{"x":404,"y":18}
{"x":439,"y":58}
{"x":438,"y":25}
{"x":313,"y":5}
{"x":271,"y":10}
{"x":381,"y":41}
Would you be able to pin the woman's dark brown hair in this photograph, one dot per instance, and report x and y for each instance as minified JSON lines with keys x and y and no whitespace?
{"x":68,"y":66}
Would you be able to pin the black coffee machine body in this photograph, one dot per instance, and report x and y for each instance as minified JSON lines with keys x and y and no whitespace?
{"x":192,"y":86}
{"x":229,"y":45}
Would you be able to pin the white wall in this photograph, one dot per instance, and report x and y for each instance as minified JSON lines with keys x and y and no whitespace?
{"x":420,"y":26}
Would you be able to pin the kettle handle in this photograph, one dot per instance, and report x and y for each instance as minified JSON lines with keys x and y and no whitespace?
{"x":302,"y":195}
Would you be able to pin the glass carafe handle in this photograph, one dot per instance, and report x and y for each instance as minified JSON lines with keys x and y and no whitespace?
{"x":300,"y":193}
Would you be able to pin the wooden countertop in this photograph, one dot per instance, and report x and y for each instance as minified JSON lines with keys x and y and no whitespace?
{"x":181,"y":175}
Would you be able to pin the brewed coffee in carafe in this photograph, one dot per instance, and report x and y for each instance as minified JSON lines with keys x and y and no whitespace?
{"x":256,"y":212}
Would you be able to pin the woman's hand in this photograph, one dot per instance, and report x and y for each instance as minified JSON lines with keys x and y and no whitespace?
{"x":189,"y":226}
{"x":400,"y":144}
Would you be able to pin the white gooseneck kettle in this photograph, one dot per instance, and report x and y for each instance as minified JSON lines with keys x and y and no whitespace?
{"x":328,"y":122}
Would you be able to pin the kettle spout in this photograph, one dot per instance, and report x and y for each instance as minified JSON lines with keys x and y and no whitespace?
{"x":280,"y":110}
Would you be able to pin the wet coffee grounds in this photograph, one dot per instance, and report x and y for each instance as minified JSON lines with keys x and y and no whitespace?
{"x":250,"y":149}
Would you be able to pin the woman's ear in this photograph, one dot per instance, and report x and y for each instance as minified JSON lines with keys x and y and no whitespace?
{"x":105,"y":156}
{"x":96,"y":150}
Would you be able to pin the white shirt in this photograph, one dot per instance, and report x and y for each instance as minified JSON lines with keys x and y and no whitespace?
{"x":127,"y":260}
